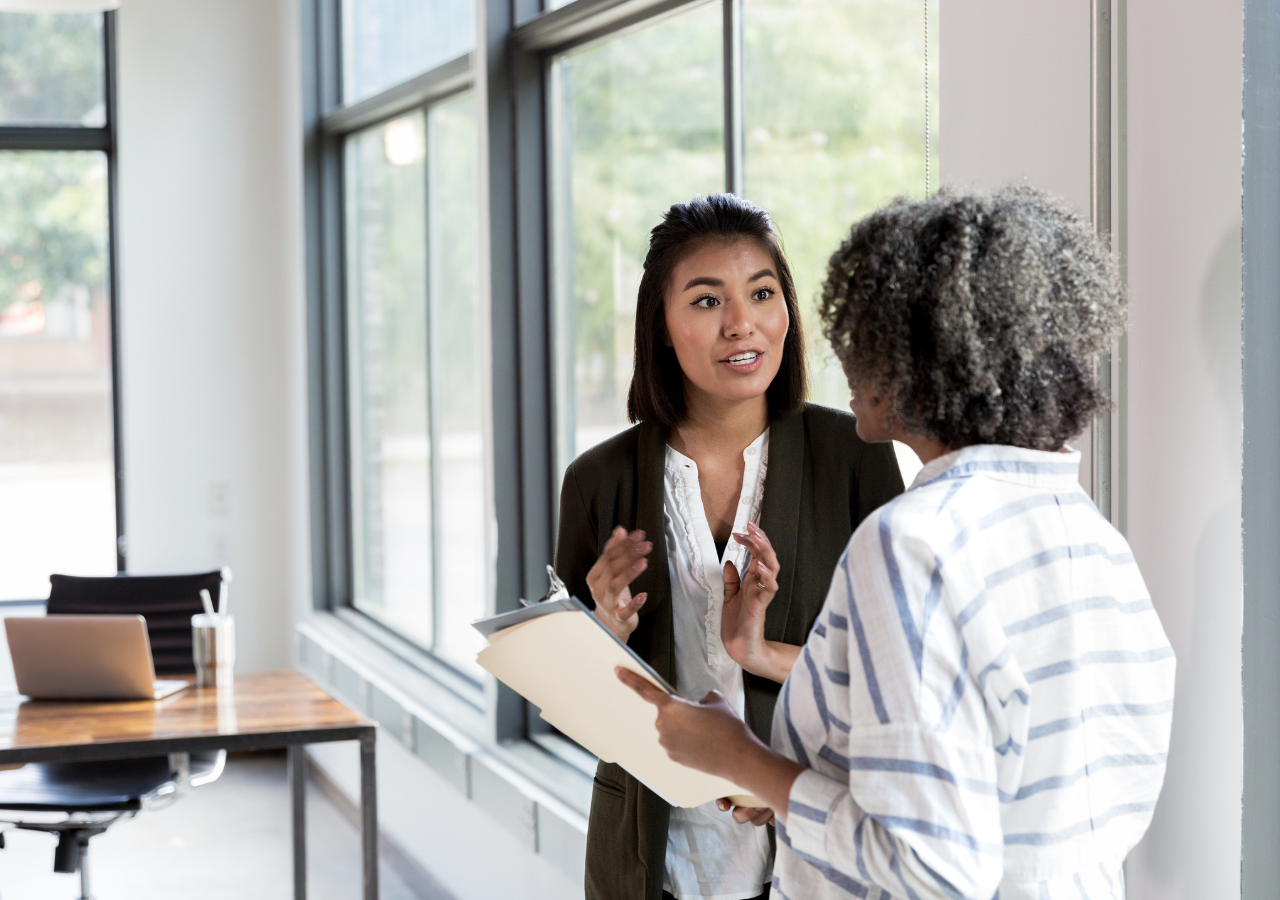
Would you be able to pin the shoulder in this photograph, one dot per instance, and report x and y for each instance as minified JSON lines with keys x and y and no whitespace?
{"x":828,"y":423}
{"x":920,"y":522}
{"x":831,"y":434}
{"x":607,"y":460}
{"x":832,"y":437}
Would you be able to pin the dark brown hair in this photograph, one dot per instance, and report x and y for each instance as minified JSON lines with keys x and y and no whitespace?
{"x":657,"y":382}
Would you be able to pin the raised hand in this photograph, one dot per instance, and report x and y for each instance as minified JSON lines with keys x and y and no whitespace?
{"x":746,"y":600}
{"x":610,"y":581}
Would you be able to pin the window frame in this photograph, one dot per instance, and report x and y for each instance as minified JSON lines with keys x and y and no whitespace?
{"x":510,"y":71}
{"x":328,"y":123}
{"x":102,"y":138}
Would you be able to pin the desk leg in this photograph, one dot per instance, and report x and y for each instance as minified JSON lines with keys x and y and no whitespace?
{"x":369,"y":814}
{"x":298,"y":798}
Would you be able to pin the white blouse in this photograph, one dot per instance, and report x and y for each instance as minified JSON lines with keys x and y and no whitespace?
{"x":708,"y":854}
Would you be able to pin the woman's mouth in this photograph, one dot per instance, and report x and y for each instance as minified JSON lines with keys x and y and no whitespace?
{"x":746,"y":361}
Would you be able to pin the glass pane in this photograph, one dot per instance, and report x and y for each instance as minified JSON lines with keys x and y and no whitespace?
{"x":52,"y":69}
{"x":386,"y":42}
{"x":387,"y":375}
{"x":638,"y":125}
{"x":834,"y":108}
{"x":456,"y":400}
{"x":57,"y":493}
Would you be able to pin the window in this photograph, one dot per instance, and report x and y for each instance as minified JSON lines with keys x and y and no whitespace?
{"x":386,"y":42}
{"x":832,"y":125}
{"x":58,"y":483}
{"x":417,"y":478}
{"x":53,"y":69}
{"x":834,"y":100}
{"x":640,"y":124}
{"x":477,"y":220}
{"x":404,"y":346}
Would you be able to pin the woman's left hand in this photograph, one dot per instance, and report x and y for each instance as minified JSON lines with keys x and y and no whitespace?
{"x":746,"y":601}
{"x":704,"y":736}
{"x":755,"y":815}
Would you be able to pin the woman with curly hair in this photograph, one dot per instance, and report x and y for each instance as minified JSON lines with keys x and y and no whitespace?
{"x":982,"y":709}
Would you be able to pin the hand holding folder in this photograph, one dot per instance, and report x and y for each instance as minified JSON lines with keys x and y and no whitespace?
{"x":557,"y":655}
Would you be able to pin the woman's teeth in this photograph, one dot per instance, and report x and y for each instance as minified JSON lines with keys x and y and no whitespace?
{"x":741,"y":358}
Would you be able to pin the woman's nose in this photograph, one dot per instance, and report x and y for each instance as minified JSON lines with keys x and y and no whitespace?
{"x":738,"y":322}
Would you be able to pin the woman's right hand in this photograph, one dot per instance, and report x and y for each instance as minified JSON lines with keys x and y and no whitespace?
{"x":610,"y":581}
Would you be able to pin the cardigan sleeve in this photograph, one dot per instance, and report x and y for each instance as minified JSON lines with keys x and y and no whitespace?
{"x":576,"y":548}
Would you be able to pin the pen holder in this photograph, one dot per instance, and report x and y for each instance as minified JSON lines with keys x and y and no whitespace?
{"x":213,"y":644}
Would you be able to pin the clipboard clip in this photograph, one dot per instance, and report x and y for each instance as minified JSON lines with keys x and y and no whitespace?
{"x":557,"y":591}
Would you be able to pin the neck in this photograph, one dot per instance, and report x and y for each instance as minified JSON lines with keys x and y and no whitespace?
{"x":712,"y":423}
{"x":926,"y":448}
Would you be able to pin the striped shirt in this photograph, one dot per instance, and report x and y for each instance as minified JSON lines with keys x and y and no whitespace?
{"x":983,"y":705}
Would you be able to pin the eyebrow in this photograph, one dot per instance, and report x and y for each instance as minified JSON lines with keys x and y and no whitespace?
{"x":716,"y":282}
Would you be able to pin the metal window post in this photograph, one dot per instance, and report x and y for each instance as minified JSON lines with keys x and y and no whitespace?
{"x":735,"y":179}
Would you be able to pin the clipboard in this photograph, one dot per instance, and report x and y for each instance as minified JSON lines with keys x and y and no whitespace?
{"x":560,"y":657}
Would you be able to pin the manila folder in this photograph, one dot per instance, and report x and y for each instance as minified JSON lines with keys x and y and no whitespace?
{"x":563,"y":663}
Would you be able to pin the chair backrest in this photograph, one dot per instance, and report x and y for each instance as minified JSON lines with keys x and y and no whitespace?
{"x":166,"y":601}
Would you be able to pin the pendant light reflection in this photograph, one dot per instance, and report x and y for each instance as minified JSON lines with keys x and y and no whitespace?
{"x":404,"y":140}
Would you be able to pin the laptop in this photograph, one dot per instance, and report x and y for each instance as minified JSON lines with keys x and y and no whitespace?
{"x":85,"y":658}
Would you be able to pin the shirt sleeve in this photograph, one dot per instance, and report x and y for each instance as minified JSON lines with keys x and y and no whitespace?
{"x":911,"y":806}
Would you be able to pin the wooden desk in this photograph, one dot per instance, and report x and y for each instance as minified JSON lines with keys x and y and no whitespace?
{"x":265,"y":711}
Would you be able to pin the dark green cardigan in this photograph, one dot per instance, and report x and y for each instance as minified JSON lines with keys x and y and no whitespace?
{"x":822,"y":481}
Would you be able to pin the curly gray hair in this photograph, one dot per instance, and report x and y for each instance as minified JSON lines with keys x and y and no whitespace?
{"x":980,"y":317}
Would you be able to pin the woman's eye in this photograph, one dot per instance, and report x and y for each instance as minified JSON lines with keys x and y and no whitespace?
{"x":707,"y":301}
{"x":763,"y":294}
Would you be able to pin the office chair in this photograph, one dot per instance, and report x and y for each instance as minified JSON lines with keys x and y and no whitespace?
{"x":95,"y":795}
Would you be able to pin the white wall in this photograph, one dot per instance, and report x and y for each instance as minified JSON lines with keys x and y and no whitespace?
{"x":1185,"y":96}
{"x":1015,"y":105}
{"x":1014,"y":96}
{"x":211,"y":302}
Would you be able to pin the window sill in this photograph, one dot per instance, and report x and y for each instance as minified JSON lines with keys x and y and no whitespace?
{"x":542,"y":798}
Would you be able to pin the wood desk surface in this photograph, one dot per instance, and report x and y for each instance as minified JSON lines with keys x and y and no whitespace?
{"x":264,"y":710}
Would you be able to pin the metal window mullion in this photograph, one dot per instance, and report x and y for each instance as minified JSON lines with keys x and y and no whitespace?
{"x":443,"y":81}
{"x":584,"y":21}
{"x":1100,"y":22}
{"x":434,"y":428}
{"x":734,"y":124}
{"x":326,"y":332}
{"x":1120,"y":360}
{"x":113,"y":282}
{"x":67,"y":137}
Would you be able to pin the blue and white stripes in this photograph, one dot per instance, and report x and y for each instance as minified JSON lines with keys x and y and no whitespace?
{"x":984,"y":703}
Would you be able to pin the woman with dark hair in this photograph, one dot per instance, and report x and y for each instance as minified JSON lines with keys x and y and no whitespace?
{"x":724,"y":446}
{"x":983,"y":708}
